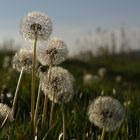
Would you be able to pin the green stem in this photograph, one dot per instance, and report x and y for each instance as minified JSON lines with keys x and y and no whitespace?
{"x":51,"y":113}
{"x":45,"y":106}
{"x":16,"y":92}
{"x":44,"y":113}
{"x":103,"y":134}
{"x":92,"y":136}
{"x":52,"y":104}
{"x":109,"y":135}
{"x":33,"y":89}
{"x":64,"y":121}
{"x":37,"y":107}
{"x":50,"y":68}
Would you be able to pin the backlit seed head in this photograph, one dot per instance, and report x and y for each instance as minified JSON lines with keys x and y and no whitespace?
{"x":23,"y":59}
{"x":58,"y":82}
{"x":36,"y":24}
{"x":88,"y":79}
{"x":106,"y":112}
{"x":55,"y":52}
{"x":4,"y":111}
{"x":102,"y":72}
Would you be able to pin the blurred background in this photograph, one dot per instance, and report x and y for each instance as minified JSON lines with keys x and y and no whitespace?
{"x":86,"y":26}
{"x":103,"y":38}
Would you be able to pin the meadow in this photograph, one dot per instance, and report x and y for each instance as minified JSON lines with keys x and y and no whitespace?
{"x":78,"y":126}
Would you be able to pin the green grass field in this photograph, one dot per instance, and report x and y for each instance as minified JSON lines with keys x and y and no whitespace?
{"x":127,"y":91}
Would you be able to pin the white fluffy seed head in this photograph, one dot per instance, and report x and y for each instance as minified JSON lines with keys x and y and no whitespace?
{"x":23,"y":59}
{"x":4,"y":111}
{"x":88,"y":79}
{"x":106,"y":112}
{"x":36,"y":24}
{"x":102,"y":72}
{"x":55,"y":52}
{"x":58,"y":82}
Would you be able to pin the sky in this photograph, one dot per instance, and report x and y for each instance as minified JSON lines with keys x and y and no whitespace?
{"x":71,"y":19}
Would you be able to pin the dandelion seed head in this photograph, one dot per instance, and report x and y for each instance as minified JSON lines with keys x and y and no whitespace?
{"x":102,"y":72}
{"x":23,"y":59}
{"x":88,"y":79}
{"x":106,"y":112}
{"x":55,"y":52}
{"x":59,"y":84}
{"x":4,"y":111}
{"x":36,"y":24}
{"x":41,"y":70}
{"x":118,"y":78}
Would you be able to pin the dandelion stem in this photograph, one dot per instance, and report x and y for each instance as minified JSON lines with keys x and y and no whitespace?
{"x":50,"y":67}
{"x":37,"y":107}
{"x":44,"y":113}
{"x":15,"y":98}
{"x":64,"y":121}
{"x":16,"y":92}
{"x":52,"y":110}
{"x":33,"y":88}
{"x":52,"y":104}
{"x":103,"y":134}
{"x":4,"y":121}
{"x":45,"y":106}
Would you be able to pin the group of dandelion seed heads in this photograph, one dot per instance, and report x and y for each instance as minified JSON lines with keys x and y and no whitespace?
{"x":38,"y":25}
{"x":55,"y":52}
{"x":104,"y":112}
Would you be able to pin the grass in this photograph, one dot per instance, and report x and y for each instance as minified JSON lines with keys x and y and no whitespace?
{"x":77,"y":125}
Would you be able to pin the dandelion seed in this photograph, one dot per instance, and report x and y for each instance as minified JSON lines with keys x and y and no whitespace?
{"x":106,"y":112}
{"x":36,"y":24}
{"x":23,"y":59}
{"x":60,"y":83}
{"x":55,"y":52}
{"x":4,"y":111}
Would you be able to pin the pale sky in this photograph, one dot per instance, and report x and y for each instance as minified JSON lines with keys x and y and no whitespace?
{"x":71,"y":19}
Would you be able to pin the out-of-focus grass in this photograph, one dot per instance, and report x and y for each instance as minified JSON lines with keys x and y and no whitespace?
{"x":78,"y":126}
